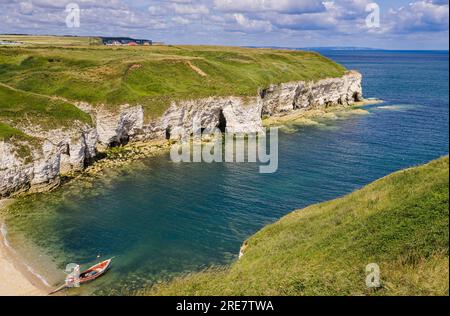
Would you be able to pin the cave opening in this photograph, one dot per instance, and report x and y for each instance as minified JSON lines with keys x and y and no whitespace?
{"x":125,"y":139}
{"x":168,"y":133}
{"x":119,"y":141}
{"x":222,"y":126}
{"x":114,"y":143}
{"x":356,"y":96}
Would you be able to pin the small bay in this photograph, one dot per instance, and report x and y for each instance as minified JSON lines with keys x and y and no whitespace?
{"x":160,"y":219}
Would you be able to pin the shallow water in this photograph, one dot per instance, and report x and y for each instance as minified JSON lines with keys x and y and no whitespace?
{"x":161,"y":219}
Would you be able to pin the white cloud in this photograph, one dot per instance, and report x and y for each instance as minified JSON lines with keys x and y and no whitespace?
{"x":310,"y":20}
{"x":347,"y":9}
{"x":313,"y":21}
{"x":425,"y":16}
{"x":282,"y":6}
{"x":248,"y":25}
{"x":180,"y":20}
{"x":58,"y":4}
{"x":157,"y":10}
{"x":26,"y":8}
{"x":190,"y":9}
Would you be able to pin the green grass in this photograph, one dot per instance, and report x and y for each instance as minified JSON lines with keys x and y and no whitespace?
{"x":22,"y":144}
{"x":35,"y":78}
{"x":51,"y":40}
{"x":155,"y":76}
{"x":399,"y":222}
{"x":7,"y":132}
{"x":22,"y":109}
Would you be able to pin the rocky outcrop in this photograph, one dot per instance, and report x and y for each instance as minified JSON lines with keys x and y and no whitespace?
{"x":286,"y":97}
{"x":72,"y":148}
{"x":233,"y":114}
{"x":76,"y":145}
{"x":117,"y":128}
{"x":38,"y":171}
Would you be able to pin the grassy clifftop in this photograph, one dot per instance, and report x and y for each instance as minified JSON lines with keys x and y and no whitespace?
{"x":400,"y":222}
{"x":41,"y":80}
{"x":20,"y":109}
{"x":154,"y":76}
{"x":49,"y":40}
{"x":23,"y":108}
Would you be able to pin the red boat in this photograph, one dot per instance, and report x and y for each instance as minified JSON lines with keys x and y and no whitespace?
{"x":90,"y":274}
{"x":95,"y":271}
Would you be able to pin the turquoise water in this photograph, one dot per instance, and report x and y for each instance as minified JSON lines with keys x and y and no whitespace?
{"x":162,"y":219}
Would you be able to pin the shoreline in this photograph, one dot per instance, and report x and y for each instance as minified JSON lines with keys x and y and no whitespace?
{"x":16,"y":277}
{"x":121,"y":156}
{"x":117,"y":157}
{"x":306,"y":116}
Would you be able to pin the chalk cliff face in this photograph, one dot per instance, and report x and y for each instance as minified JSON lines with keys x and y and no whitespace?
{"x":71,"y":149}
{"x":290,"y":96}
{"x":75,"y":144}
{"x":233,"y":114}
{"x":40,"y":172}
{"x":116,"y":129}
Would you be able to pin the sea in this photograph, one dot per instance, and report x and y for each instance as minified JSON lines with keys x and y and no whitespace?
{"x":161,"y":219}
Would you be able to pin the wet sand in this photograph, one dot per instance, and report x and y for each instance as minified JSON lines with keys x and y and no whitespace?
{"x":15,"y":279}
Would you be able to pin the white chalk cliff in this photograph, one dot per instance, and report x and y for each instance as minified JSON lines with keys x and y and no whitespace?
{"x":68,"y":150}
{"x":17,"y":174}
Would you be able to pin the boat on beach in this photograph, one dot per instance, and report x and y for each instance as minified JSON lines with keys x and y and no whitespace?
{"x":88,"y":275}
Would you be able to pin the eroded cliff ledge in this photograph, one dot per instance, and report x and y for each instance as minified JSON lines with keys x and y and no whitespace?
{"x":70,"y":149}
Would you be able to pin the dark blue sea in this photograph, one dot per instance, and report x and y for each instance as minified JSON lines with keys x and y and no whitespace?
{"x":161,"y":219}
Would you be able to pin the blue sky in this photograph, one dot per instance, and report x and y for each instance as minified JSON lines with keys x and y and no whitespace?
{"x":413,"y":24}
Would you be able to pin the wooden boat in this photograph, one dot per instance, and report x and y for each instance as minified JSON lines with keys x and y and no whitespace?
{"x":90,"y":274}
{"x":95,"y":271}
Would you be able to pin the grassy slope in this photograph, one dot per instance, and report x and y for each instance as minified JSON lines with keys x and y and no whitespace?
{"x":32,"y":75}
{"x":22,"y":108}
{"x":400,"y":222}
{"x":23,"y":144}
{"x":7,"y":132}
{"x":153,"y":76}
{"x":50,"y":40}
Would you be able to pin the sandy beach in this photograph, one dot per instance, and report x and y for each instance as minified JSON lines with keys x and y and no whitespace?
{"x":15,"y":280}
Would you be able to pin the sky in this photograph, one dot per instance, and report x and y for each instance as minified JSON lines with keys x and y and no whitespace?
{"x":394,"y":24}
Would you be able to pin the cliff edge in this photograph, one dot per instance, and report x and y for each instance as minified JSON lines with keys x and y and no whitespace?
{"x":49,"y":128}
